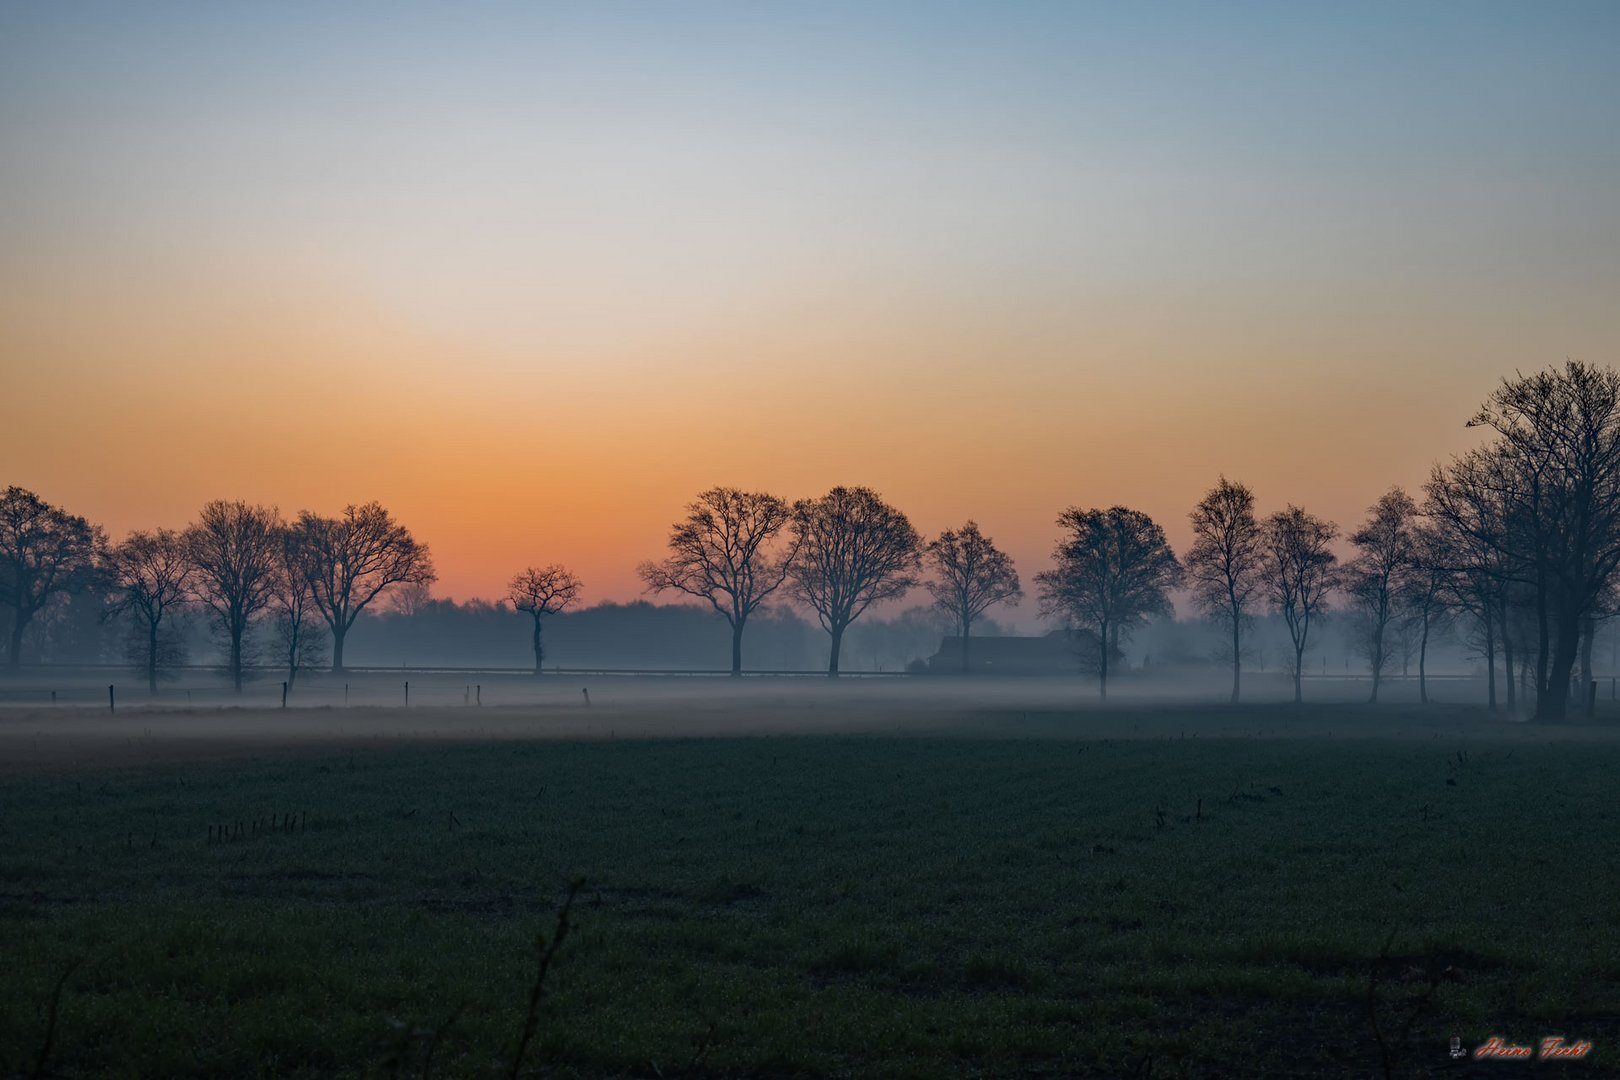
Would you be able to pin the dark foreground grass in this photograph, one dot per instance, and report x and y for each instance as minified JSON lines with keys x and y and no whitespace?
{"x":854,"y":906}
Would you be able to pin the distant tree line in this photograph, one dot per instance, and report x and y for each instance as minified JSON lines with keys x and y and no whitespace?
{"x":1515,"y":547}
{"x":1516,"y":543}
{"x":240,"y":564}
{"x":637,"y":635}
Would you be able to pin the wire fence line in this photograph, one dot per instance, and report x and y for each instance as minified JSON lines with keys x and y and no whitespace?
{"x":261,"y":673}
{"x":112,"y":686}
{"x":115,"y":688}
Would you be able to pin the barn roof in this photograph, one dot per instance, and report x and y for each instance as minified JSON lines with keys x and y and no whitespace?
{"x":1054,"y":653}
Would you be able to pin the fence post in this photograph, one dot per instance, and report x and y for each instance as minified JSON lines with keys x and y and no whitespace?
{"x":112,"y":705}
{"x":466,"y":695}
{"x":345,"y":693}
{"x":407,"y":692}
{"x":480,"y":692}
{"x":284,"y":693}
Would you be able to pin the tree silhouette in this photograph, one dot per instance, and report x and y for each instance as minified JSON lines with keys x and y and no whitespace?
{"x":971,"y":576}
{"x":1560,"y":435}
{"x":1423,"y":591}
{"x":1224,"y":563}
{"x":853,"y":550}
{"x":1113,"y":570}
{"x":1486,"y":551}
{"x":1386,"y":556}
{"x":235,"y":550}
{"x":542,"y":591}
{"x":292,"y":605}
{"x":410,"y":599}
{"x":152,"y":573}
{"x":44,"y":552}
{"x":723,"y":553}
{"x":1301,"y":570}
{"x":351,"y":559}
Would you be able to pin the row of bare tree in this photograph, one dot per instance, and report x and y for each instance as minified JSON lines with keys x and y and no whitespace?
{"x":1113,"y":569}
{"x":1519,"y":538}
{"x":837,"y":555}
{"x":239,"y":562}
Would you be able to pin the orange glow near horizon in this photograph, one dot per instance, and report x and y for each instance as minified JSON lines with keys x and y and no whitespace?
{"x":534,"y":278}
{"x":499,"y":461}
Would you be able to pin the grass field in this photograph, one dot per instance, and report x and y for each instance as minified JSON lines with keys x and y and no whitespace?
{"x":1135,"y":892}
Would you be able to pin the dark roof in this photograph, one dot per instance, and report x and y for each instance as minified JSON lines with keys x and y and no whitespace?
{"x":1054,"y":653}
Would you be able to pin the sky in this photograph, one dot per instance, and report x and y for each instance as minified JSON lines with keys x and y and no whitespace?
{"x":534,"y":275}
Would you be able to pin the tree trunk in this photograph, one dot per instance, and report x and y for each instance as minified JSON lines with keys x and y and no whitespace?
{"x":14,"y":650}
{"x":1299,"y":671}
{"x":539,"y":649}
{"x":1377,"y":665}
{"x":337,"y":649}
{"x":1102,"y":663}
{"x":1588,"y":631}
{"x":151,"y":657}
{"x":837,"y":633}
{"x":295,"y":638}
{"x":736,"y":648}
{"x":236,"y":657}
{"x":966,"y":626}
{"x":1237,"y":656}
{"x":1423,"y":657}
{"x":1490,"y":662}
{"x":1542,"y":644}
{"x":1552,"y":704}
{"x":1507,"y":659}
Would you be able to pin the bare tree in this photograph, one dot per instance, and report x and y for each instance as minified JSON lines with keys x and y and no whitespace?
{"x":542,"y":591}
{"x":71,"y":626}
{"x":152,"y":574}
{"x":300,"y":642}
{"x":410,"y":599}
{"x":1113,"y":570}
{"x":724,"y":552}
{"x":233,"y":548}
{"x":1608,"y":605}
{"x":1385,"y":556}
{"x":1224,"y":565}
{"x":972,"y":575}
{"x":1480,"y":538}
{"x":1301,"y":570}
{"x":44,"y":552}
{"x":853,"y":550}
{"x":351,"y":559}
{"x":1423,"y":595}
{"x":1560,"y":428}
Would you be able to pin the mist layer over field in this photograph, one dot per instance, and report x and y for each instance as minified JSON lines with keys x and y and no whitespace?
{"x":446,"y":707}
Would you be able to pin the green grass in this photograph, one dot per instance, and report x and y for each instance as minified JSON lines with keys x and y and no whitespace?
{"x":855,"y":906}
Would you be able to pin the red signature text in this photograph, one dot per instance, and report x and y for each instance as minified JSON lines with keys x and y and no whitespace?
{"x":1553,"y":1046}
{"x":1556,"y":1047}
{"x":1497,"y":1047}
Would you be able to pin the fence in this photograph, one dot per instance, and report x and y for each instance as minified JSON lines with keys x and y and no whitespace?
{"x":209,"y":687}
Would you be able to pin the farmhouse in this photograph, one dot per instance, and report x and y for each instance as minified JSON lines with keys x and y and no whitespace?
{"x":1056,"y":653}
